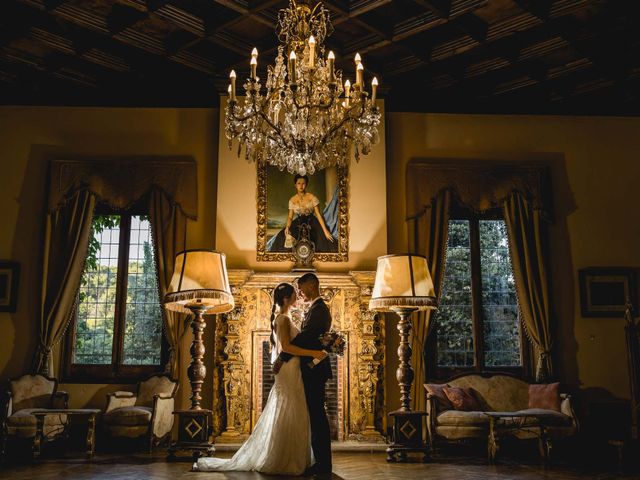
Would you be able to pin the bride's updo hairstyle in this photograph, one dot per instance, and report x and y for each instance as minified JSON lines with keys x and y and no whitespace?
{"x":280,"y":293}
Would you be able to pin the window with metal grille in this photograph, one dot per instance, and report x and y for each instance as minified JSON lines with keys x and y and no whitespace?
{"x":117,"y":332}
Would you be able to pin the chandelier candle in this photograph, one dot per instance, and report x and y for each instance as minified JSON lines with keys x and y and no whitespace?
{"x":232,"y":90}
{"x":254,"y":64}
{"x":331,"y":61}
{"x":374,"y":88}
{"x":347,"y":94}
{"x":312,"y":52}
{"x":296,"y":119}
{"x":359,"y":75}
{"x":292,"y":67}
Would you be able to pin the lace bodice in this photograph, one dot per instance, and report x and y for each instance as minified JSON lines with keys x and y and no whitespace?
{"x":293,"y":331}
{"x":304,"y":206}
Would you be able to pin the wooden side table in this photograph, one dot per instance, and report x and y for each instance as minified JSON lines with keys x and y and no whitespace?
{"x":194,"y":432}
{"x":89,"y":414}
{"x":513,"y":422}
{"x":407,"y":436}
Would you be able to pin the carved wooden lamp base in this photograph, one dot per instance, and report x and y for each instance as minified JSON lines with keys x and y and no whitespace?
{"x":195,"y":426}
{"x":407,"y":424}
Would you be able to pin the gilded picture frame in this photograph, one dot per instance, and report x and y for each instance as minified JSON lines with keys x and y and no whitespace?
{"x":330,"y":186}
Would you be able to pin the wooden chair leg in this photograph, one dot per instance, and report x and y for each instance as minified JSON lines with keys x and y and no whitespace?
{"x":3,"y":446}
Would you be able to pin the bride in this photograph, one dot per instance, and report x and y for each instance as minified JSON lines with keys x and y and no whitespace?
{"x":281,"y":440}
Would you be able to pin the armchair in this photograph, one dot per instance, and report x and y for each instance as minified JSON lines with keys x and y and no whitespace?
{"x":148,"y":413}
{"x":25,"y":395}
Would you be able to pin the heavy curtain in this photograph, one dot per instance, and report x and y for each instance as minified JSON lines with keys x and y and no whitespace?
{"x":168,"y":224}
{"x":76,"y":186}
{"x":65,"y":250}
{"x":526,"y":231}
{"x":522,"y":192}
{"x":428,"y":236}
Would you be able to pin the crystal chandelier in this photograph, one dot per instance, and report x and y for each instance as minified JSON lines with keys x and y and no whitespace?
{"x":306,"y":120}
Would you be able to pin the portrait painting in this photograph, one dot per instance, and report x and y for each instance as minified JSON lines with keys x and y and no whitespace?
{"x":290,"y":206}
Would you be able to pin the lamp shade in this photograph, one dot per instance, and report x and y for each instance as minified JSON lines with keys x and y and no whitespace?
{"x":201,"y":276}
{"x":402,"y":281}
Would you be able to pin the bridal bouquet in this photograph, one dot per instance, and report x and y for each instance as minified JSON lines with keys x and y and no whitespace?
{"x":332,"y":342}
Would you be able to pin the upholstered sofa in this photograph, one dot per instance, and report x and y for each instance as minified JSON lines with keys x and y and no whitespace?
{"x":25,"y":395}
{"x":497,"y":393}
{"x":146,"y":414}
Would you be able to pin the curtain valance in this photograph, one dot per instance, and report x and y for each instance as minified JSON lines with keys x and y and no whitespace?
{"x":476,"y":184}
{"x":122,"y":182}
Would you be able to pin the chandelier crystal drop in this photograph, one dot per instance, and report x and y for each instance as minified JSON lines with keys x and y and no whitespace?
{"x":305,"y":119}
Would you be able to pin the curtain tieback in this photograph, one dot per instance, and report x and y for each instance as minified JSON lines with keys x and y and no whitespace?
{"x":44,"y":349}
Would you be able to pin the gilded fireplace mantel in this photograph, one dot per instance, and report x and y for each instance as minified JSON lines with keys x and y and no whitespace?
{"x":236,"y":396}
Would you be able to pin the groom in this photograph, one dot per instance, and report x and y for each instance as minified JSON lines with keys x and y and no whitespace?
{"x":317,"y":321}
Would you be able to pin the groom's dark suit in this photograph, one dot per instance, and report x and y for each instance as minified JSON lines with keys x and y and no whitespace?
{"x":317,"y":321}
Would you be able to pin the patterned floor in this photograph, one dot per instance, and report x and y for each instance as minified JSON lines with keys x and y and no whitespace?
{"x":347,"y":466}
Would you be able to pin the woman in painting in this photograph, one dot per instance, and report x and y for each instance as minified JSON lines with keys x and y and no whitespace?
{"x":303,"y":209}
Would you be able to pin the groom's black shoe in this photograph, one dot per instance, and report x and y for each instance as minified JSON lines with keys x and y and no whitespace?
{"x":312,"y":470}
{"x":318,"y":471}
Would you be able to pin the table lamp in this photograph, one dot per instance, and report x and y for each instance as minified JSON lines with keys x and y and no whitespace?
{"x":403,"y":285}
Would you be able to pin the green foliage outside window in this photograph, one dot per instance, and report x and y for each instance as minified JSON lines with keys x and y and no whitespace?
{"x":143,"y":325}
{"x":454,"y":317}
{"x":499,"y":309}
{"x":97,"y":297}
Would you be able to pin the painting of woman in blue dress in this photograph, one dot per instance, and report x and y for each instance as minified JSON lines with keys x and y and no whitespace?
{"x":304,"y":208}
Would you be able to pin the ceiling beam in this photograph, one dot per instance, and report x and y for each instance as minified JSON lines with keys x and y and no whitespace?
{"x":240,"y":6}
{"x":472,"y":25}
{"x":442,"y":8}
{"x":121,"y":17}
{"x":358,"y":7}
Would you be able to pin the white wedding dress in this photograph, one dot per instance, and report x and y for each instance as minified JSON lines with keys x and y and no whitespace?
{"x":281,"y":440}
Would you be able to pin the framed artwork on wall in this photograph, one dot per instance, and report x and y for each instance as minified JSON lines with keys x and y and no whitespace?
{"x":9,"y":276}
{"x":277,"y":188}
{"x":604,"y":291}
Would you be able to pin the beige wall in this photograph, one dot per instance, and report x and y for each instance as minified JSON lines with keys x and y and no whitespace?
{"x":595,"y":170}
{"x":27,"y":137}
{"x":237,"y":207}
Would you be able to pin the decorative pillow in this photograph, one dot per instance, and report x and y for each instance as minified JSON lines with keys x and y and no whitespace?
{"x":462,"y":399}
{"x":436,"y":389}
{"x":545,"y":396}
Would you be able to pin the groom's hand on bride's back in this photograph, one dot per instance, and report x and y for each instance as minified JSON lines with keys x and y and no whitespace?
{"x":277,"y":365}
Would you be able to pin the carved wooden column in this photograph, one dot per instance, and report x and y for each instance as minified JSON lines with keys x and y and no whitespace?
{"x":233,"y":368}
{"x":368,"y":366}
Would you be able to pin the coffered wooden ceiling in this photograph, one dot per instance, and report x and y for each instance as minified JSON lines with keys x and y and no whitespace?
{"x":492,"y":56}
